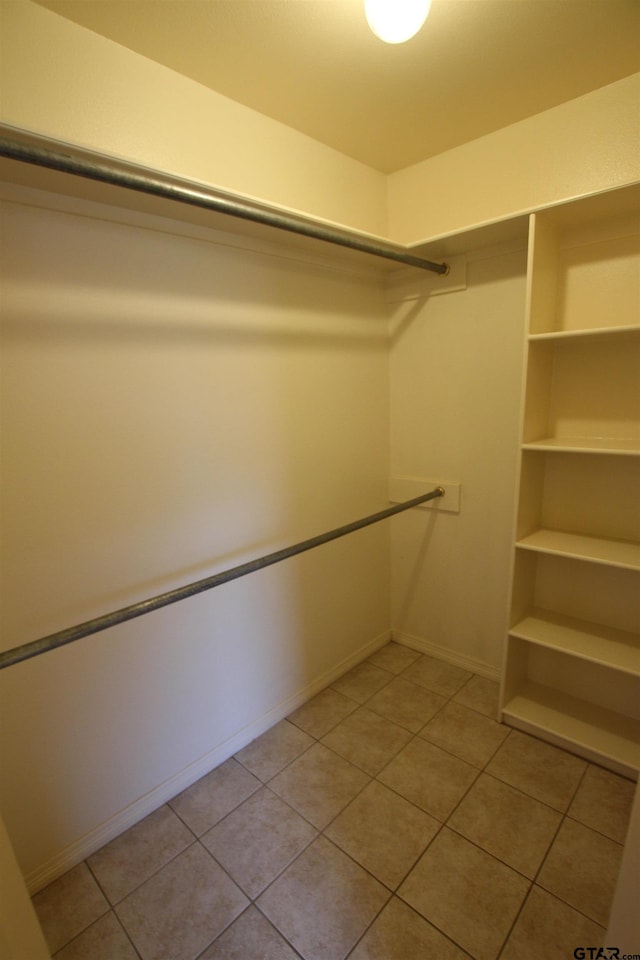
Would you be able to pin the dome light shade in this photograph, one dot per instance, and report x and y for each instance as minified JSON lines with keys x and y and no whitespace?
{"x":395,"y":21}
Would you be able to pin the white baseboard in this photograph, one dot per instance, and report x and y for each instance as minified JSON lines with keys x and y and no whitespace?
{"x":445,"y":653}
{"x":82,"y":848}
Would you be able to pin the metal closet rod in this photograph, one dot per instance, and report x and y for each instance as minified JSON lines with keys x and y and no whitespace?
{"x":37,"y":647}
{"x":42,"y":152}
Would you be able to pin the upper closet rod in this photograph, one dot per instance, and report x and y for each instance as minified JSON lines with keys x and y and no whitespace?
{"x":43,"y":152}
{"x":54,"y":640}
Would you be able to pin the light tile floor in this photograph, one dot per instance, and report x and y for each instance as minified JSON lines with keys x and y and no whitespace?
{"x":390,"y":818}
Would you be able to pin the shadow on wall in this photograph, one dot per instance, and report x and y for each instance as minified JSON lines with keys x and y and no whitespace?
{"x":169,"y":404}
{"x":417,"y":565}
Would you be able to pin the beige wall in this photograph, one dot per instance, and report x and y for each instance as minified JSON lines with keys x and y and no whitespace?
{"x":63,"y":81}
{"x":456,"y":367}
{"x":173,"y":405}
{"x":583,"y":146}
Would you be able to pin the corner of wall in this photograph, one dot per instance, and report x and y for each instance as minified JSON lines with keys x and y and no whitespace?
{"x":583,"y":146}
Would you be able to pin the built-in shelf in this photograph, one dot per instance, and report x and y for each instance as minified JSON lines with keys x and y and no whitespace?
{"x":619,"y":446}
{"x":615,"y":553}
{"x":592,"y":731}
{"x":583,"y":392}
{"x":591,"y":641}
{"x":572,"y":658}
{"x":626,"y":330}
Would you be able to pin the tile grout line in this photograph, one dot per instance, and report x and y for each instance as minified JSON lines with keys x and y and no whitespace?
{"x":588,"y":826}
{"x":361,"y":867}
{"x":126,"y":933}
{"x":419,"y":915}
{"x":534,"y":883}
{"x":111,"y":909}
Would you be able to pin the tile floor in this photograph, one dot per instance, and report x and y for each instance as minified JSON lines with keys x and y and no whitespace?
{"x":390,"y":818}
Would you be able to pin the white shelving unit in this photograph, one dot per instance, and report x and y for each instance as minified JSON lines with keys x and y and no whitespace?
{"x":572,"y":660}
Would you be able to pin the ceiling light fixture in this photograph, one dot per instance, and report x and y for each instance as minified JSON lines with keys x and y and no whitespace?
{"x":395,"y":21}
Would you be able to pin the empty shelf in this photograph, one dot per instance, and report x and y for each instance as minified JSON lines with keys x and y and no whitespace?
{"x":593,"y":732}
{"x":589,"y":641}
{"x":615,"y":553}
{"x":616,"y":445}
{"x":623,"y":330}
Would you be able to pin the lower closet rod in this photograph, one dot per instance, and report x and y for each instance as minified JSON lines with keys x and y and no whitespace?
{"x":54,"y":640}
{"x":42,"y":152}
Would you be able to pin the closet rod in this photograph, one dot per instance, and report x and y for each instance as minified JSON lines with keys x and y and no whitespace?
{"x":43,"y":152}
{"x":36,"y":647}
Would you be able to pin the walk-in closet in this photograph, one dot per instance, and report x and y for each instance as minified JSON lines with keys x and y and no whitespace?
{"x":320,"y":518}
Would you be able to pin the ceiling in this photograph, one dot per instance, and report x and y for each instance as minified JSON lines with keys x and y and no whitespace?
{"x":476,"y":65}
